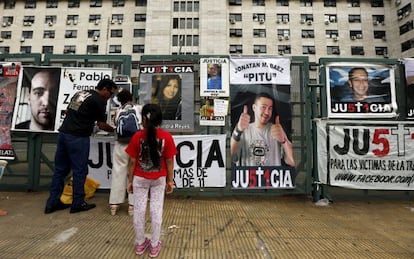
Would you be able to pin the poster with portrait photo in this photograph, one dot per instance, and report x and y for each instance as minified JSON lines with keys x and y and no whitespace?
{"x":214,"y":77}
{"x":37,"y":96}
{"x":9,"y":73}
{"x":409,"y":78}
{"x":213,"y":111}
{"x":256,"y":154}
{"x":356,"y":88}
{"x":170,"y":85}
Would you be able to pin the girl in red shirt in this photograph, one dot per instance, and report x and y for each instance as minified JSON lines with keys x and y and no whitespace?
{"x":151,"y":152}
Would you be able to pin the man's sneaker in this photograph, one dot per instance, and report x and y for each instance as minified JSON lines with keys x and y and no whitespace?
{"x":140,"y":249}
{"x":83,"y":207}
{"x":154,"y":251}
{"x":60,"y":206}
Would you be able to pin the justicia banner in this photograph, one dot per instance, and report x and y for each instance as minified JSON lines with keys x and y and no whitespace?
{"x":9,"y":72}
{"x":366,"y":155}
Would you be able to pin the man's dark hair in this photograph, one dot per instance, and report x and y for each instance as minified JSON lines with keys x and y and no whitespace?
{"x":265,"y":95}
{"x":106,"y":83}
{"x":124,"y":96}
{"x":351,"y":72}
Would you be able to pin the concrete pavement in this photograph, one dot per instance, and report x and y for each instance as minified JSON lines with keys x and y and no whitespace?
{"x":220,"y":227}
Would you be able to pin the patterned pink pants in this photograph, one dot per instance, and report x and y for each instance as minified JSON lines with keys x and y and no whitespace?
{"x":156,"y":189}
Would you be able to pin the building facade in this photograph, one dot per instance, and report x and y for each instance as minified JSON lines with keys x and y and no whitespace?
{"x":314,"y":28}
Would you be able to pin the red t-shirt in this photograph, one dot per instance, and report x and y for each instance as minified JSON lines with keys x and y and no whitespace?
{"x":138,"y":149}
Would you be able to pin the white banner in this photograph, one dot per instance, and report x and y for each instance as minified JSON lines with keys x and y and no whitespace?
{"x":366,"y":155}
{"x":200,"y":162}
{"x":260,"y":70}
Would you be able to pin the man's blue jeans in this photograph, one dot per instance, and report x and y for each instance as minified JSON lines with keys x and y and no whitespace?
{"x":72,"y":153}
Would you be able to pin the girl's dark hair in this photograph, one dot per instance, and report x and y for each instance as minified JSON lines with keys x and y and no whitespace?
{"x":124,"y":96}
{"x":152,"y":117}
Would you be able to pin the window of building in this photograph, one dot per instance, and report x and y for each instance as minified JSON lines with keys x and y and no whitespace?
{"x":71,"y":34}
{"x":118,"y":3}
{"x":236,"y":33}
{"x":378,"y":19}
{"x":9,"y":4}
{"x":72,"y":19}
{"x":49,"y":34}
{"x":377,"y":3}
{"x":138,"y":49}
{"x":7,"y":20}
{"x":115,"y":48}
{"x":195,"y":23}
{"x":331,"y":34}
{"x":333,"y":50}
{"x":25,"y":49}
{"x":353,"y":3}
{"x":30,"y":4}
{"x":189,"y":40}
{"x":73,"y":3}
{"x":259,"y":33}
{"x":47,"y":49}
{"x":95,"y":3}
{"x":236,"y":49}
{"x":307,"y":3}
{"x":283,"y":34}
{"x":284,"y":49}
{"x":259,"y":17}
{"x":406,"y":45}
{"x":92,"y":49}
{"x":354,"y":18}
{"x":282,"y":2}
{"x":93,"y":34}
{"x":404,"y":11}
{"x":116,"y":33}
{"x":117,"y":18}
{"x":176,"y":6}
{"x":140,"y":17}
{"x":313,"y":66}
{"x":52,"y":4}
{"x":308,"y":34}
{"x":355,"y":35}
{"x":4,"y":50}
{"x":95,"y":18}
{"x":140,"y":2}
{"x":50,"y":19}
{"x":139,"y":33}
{"x":357,"y":50}
{"x":306,"y":18}
{"x":27,"y":34}
{"x":6,"y":34}
{"x":308,"y":50}
{"x":235,"y":17}
{"x":408,"y":26}
{"x":177,"y":40}
{"x":282,"y":18}
{"x":381,"y":51}
{"x":235,"y":2}
{"x":258,"y":2}
{"x":379,"y":35}
{"x":330,"y":18}
{"x":329,"y":3}
{"x":28,"y":20}
{"x":69,"y":49}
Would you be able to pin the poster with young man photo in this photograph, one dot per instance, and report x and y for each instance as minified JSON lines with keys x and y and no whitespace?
{"x":358,"y":88}
{"x":261,"y":124}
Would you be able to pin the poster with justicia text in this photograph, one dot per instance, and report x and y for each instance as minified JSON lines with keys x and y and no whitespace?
{"x":409,"y":80}
{"x":171,"y":86}
{"x":360,"y":90}
{"x":261,"y":146}
{"x":9,"y":72}
{"x":366,"y":155}
{"x":199,"y":163}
